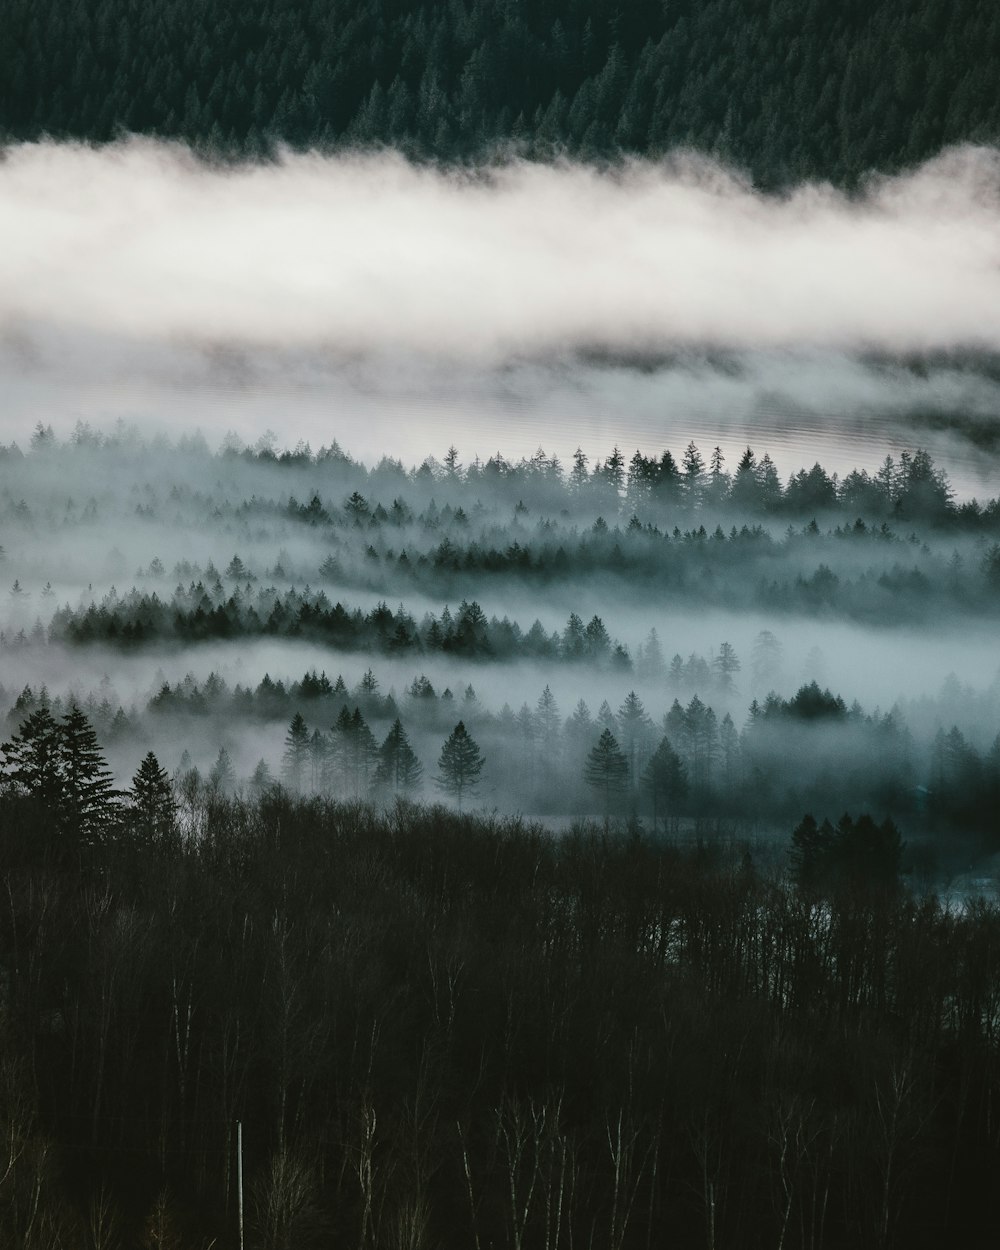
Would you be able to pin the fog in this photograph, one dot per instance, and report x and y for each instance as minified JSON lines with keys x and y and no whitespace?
{"x":363,"y":308}
{"x":371,"y":254}
{"x":167,"y":587}
{"x":383,"y":304}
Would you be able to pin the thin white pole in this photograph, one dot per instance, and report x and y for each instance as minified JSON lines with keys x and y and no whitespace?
{"x":239,"y":1175}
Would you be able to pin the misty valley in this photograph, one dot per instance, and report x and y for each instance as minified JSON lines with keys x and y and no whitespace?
{"x":525,"y":852}
{"x":656,"y":639}
{"x":546,"y":797}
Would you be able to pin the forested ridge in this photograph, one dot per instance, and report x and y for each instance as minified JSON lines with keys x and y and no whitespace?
{"x":788,"y":89}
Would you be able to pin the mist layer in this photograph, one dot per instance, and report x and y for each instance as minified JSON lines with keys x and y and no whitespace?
{"x":371,"y":254}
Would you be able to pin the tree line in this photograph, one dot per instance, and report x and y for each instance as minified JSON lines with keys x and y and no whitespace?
{"x":440,"y":1029}
{"x":693,"y":769}
{"x":908,"y":487}
{"x":787,"y":92}
{"x":918,"y":586}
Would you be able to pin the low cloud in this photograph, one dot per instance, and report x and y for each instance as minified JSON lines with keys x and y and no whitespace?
{"x":366,"y":255}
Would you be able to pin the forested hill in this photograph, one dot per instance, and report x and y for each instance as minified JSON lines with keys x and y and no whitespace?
{"x":788,"y":89}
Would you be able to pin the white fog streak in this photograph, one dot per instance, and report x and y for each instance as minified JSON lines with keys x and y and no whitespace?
{"x":360,"y":255}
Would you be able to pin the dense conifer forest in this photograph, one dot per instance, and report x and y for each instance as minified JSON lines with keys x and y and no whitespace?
{"x":787,"y":90}
{"x":303,"y":619}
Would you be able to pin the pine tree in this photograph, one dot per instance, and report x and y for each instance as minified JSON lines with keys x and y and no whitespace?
{"x":665,"y":779}
{"x":579,"y":477}
{"x":694,"y":475}
{"x":636,"y":729}
{"x":548,"y":722}
{"x":460,"y":764}
{"x":151,"y":798}
{"x":363,"y":752}
{"x":319,"y":748}
{"x":353,"y":752}
{"x":34,"y":761}
{"x":261,"y":779}
{"x":398,"y":767}
{"x":606,"y":769}
{"x":222,"y":777}
{"x":726,"y":663}
{"x":296,"y":756}
{"x":88,"y":801}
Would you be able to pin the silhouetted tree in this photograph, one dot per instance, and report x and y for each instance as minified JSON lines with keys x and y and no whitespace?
{"x":398,"y":767}
{"x":151,"y":801}
{"x":222,"y":775}
{"x":459,"y":764}
{"x":296,"y":755}
{"x":33,"y":760}
{"x":89,"y":804}
{"x":606,"y":769}
{"x":665,"y":779}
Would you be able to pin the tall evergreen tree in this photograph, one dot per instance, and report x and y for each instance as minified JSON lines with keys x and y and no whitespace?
{"x":398,"y":767}
{"x":665,"y":779}
{"x":459,"y":764}
{"x":635,"y":729}
{"x":606,"y":769}
{"x":222,"y":775}
{"x":33,"y":759}
{"x":295,"y":759}
{"x":152,"y":803}
{"x":89,"y":803}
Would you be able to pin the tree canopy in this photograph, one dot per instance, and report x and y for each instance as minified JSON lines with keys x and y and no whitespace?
{"x":809,"y":90}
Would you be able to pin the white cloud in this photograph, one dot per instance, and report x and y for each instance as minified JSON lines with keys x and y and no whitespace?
{"x":369,"y":254}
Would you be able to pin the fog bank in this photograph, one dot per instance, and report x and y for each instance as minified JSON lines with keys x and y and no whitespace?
{"x":371,"y":254}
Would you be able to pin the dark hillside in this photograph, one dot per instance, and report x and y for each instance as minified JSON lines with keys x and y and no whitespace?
{"x":789,"y":89}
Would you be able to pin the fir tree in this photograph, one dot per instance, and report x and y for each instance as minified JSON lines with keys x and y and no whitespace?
{"x":88,"y":801}
{"x":296,"y":756}
{"x":222,"y":777}
{"x":460,"y":764}
{"x":606,"y":769}
{"x":398,"y":767}
{"x":665,"y":779}
{"x":151,"y":798}
{"x":33,"y":759}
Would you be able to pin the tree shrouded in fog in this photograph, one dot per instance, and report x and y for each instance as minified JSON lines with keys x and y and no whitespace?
{"x":151,"y":799}
{"x":297,"y":752}
{"x":665,"y":779}
{"x":398,"y":767}
{"x":222,"y":775}
{"x":460,"y":764}
{"x":606,"y":769}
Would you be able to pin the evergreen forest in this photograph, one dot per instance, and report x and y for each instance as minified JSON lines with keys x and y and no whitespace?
{"x":410,"y":845}
{"x":788,"y":90}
